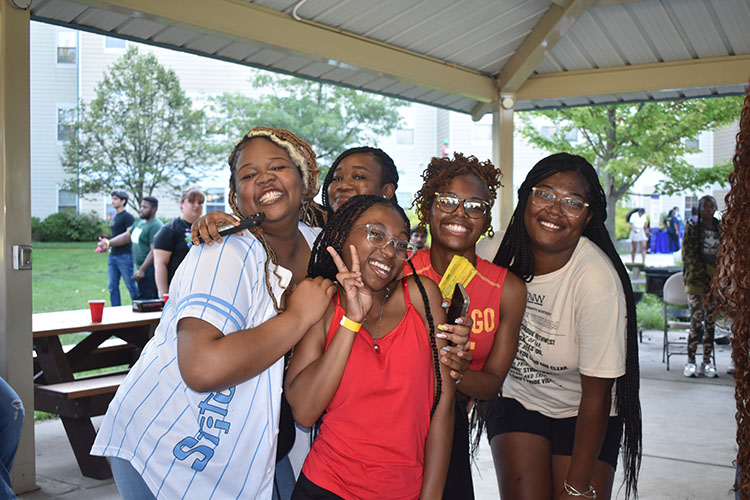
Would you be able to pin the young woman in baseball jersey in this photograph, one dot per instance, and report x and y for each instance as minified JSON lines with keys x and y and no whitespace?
{"x":455,"y":201}
{"x":197,"y":416}
{"x":573,"y":386}
{"x":370,"y":366}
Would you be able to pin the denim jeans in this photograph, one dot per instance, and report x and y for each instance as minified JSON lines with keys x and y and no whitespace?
{"x":11,"y":422}
{"x":283,"y":480}
{"x":129,"y":483}
{"x":121,"y":265}
{"x":147,"y":285}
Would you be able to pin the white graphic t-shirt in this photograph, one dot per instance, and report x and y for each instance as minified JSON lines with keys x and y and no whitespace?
{"x":574,"y":324}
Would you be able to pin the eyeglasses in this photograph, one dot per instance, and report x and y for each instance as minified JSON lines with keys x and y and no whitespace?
{"x":380,"y":238}
{"x":544,"y":198}
{"x":474,"y":207}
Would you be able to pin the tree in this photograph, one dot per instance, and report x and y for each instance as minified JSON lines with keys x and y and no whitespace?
{"x":140,"y":132}
{"x":623,"y":141}
{"x":330,"y":118}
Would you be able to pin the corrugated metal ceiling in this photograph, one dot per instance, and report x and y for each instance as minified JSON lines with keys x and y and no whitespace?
{"x":478,"y":36}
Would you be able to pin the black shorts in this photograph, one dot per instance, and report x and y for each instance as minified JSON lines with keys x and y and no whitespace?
{"x":307,"y":490}
{"x":508,"y":415}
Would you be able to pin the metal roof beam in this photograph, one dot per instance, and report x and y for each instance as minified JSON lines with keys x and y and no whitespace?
{"x":242,"y":21}
{"x":710,"y":72}
{"x":545,"y":35}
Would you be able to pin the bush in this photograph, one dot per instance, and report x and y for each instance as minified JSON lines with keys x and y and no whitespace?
{"x":650,"y":312}
{"x":622,"y":228}
{"x":69,"y":226}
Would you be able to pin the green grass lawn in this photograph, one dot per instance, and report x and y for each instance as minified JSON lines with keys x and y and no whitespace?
{"x":67,"y":275}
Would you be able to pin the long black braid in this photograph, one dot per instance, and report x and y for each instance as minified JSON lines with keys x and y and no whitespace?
{"x":335,"y":233}
{"x":515,"y":254}
{"x":390,"y":172}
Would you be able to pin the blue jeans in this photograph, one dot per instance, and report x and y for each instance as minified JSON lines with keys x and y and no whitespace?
{"x":121,"y":265}
{"x":147,"y":285}
{"x":11,"y":422}
{"x":129,"y":483}
{"x":283,"y":480}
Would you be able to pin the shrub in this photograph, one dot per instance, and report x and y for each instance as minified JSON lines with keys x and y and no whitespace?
{"x":69,"y":226}
{"x":622,"y":228}
{"x":650,"y":312}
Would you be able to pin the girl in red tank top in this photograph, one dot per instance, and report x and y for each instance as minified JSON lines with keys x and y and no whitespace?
{"x":370,"y":366}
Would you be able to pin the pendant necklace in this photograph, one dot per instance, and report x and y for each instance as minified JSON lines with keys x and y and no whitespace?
{"x":375,"y":346}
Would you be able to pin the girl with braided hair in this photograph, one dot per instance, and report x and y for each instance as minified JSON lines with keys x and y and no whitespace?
{"x":197,"y":415}
{"x":370,"y":366}
{"x":455,"y":201}
{"x":359,"y":170}
{"x":574,"y":382}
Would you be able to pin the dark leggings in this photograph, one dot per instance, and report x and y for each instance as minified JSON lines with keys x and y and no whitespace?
{"x":458,"y":483}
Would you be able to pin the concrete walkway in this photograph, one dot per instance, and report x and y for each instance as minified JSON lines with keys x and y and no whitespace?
{"x":688,"y":443}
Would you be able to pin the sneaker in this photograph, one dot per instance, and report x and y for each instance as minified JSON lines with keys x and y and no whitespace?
{"x":709,"y":370}
{"x":690,"y":370}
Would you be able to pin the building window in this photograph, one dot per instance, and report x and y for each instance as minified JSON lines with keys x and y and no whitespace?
{"x":66,"y":117}
{"x":405,"y":136}
{"x":67,"y":201}
{"x":572,"y":136}
{"x":693,"y":143}
{"x":690,"y":202}
{"x":215,"y":200}
{"x":67,"y":46}
{"x":112,"y":43}
{"x":483,"y":132}
{"x":547,"y":132}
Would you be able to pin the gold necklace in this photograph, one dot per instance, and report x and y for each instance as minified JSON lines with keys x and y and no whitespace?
{"x":375,"y":346}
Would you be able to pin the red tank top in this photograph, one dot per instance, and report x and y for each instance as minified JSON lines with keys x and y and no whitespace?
{"x":372,"y":438}
{"x":485,"y":291}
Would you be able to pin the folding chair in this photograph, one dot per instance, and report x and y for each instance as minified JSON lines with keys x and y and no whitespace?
{"x":676,"y":318}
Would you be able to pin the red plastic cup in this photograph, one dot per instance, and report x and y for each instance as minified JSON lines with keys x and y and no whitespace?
{"x":97,"y":309}
{"x":165,"y":297}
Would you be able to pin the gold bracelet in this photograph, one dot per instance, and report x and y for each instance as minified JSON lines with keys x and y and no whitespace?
{"x":350,"y":325}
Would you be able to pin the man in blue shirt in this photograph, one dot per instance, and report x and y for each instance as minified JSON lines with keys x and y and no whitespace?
{"x":121,"y":257}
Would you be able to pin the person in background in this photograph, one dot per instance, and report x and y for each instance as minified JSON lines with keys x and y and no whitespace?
{"x":573,"y":387}
{"x":672,"y":225}
{"x":418,"y":237}
{"x":141,"y":236}
{"x":693,"y":214}
{"x":638,"y":232}
{"x":699,"y":247}
{"x":11,"y":423}
{"x":172,"y":242}
{"x":121,"y":257}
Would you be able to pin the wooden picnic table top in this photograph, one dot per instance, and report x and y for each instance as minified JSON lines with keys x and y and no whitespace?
{"x":60,"y":322}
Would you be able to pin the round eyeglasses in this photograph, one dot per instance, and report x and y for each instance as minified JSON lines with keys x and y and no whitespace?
{"x":380,"y":238}
{"x":474,"y":207}
{"x":544,"y":198}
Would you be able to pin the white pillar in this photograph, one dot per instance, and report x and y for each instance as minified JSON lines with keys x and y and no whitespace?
{"x":15,"y":229}
{"x":502,"y":156}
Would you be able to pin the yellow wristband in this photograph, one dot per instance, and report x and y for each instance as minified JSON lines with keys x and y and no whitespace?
{"x":350,"y":325}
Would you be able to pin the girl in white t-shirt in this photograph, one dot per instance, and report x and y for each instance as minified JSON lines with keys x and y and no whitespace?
{"x":573,"y":385}
{"x":197,"y":416}
{"x":639,"y":232}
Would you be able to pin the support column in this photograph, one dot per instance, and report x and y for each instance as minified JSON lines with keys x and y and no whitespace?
{"x":502,"y":156}
{"x":15,"y":229}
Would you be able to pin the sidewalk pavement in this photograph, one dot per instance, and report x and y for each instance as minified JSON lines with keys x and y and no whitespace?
{"x":688,"y":440}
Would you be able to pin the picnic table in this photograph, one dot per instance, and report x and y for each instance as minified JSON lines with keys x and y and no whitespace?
{"x":76,"y":399}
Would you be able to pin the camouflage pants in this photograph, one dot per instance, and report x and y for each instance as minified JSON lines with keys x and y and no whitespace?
{"x":702,"y":312}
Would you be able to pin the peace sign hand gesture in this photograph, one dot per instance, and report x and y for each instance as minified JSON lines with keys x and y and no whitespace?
{"x":358,"y":296}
